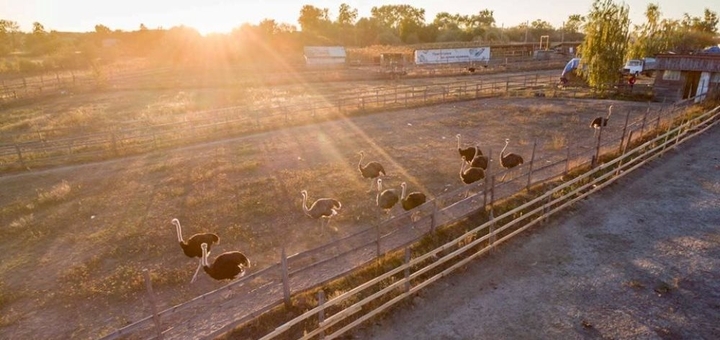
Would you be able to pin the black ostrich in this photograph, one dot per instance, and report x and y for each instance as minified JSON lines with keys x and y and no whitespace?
{"x":510,"y":160}
{"x":600,"y":121}
{"x":386,"y":199}
{"x":227,"y":266}
{"x":322,"y":208}
{"x":412,"y":200}
{"x":371,"y":170}
{"x":191,"y":248}
{"x":480,"y":160}
{"x":469,"y":152}
{"x":471,"y":174}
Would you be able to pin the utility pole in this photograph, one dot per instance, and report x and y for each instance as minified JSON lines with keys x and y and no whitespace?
{"x":527,"y":25}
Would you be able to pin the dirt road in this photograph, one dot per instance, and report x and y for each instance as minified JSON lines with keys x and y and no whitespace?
{"x":639,"y":260}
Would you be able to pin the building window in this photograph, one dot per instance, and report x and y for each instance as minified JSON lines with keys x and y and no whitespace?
{"x":671,"y":75}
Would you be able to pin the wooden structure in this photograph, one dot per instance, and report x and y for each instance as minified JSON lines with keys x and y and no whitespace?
{"x":682,"y":76}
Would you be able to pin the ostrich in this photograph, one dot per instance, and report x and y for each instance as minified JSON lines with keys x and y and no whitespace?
{"x":191,"y":248}
{"x":386,"y":199}
{"x":227,"y":266}
{"x":480,"y":161}
{"x":468,"y":152}
{"x":412,"y":200}
{"x":510,"y":160}
{"x":600,"y":121}
{"x":471,"y":174}
{"x":323,"y":208}
{"x":370,"y":170}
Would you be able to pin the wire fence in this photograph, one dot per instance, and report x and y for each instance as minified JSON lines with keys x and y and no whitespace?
{"x":53,"y":147}
{"x":613,"y":154}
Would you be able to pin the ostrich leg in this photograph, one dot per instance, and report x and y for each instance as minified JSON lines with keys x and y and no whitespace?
{"x":196,"y":271}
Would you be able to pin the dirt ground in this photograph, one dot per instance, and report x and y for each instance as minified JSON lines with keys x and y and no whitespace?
{"x":639,"y":260}
{"x":91,"y":244}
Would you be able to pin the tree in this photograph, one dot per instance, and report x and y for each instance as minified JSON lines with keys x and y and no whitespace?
{"x":346,"y":15}
{"x":574,"y":23}
{"x":390,"y":16}
{"x":9,"y":31}
{"x":651,"y":37}
{"x":313,"y":19}
{"x":102,"y":29}
{"x":39,"y":41}
{"x":603,"y":50}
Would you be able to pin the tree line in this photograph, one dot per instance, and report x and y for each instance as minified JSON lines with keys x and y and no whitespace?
{"x":270,"y":42}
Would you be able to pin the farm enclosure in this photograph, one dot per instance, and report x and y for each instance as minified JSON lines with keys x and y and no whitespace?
{"x":115,"y":215}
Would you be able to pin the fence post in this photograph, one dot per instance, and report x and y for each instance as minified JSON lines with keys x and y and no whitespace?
{"x":20,"y":157}
{"x":596,"y":158}
{"x":433,"y":216}
{"x":642,"y":129}
{"x":488,"y":172}
{"x":151,"y":298}
{"x":622,"y":153}
{"x":622,"y":138}
{"x":407,"y":269}
{"x":492,"y":194}
{"x":491,"y":230}
{"x":532,"y":160}
{"x":286,"y":279}
{"x":321,"y":313}
{"x":377,"y":233}
{"x":567,"y":161}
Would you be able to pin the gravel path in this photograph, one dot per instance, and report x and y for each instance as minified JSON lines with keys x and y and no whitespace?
{"x":639,"y":260}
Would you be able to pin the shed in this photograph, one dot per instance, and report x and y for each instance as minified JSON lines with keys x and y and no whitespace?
{"x":324,"y":56}
{"x":682,"y":76}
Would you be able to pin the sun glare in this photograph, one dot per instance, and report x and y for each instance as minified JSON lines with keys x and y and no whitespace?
{"x":224,"y":17}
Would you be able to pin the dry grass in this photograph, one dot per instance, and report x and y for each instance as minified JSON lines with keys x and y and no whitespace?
{"x":94,"y":228}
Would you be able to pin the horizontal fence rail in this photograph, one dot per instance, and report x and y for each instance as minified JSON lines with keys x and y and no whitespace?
{"x":245,"y":299}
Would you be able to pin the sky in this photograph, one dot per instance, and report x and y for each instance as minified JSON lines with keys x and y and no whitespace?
{"x":221,"y":16}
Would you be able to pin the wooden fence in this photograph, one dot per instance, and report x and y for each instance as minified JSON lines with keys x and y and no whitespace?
{"x":15,"y":88}
{"x":245,"y":299}
{"x":46,"y":148}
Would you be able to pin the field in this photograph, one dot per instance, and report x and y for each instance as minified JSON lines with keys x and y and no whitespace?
{"x":77,"y":238}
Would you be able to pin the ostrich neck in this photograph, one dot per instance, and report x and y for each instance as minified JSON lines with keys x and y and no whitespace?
{"x":360,"y":162}
{"x":305,"y":208}
{"x":458,"y":139}
{"x":179,"y":232}
{"x":402,"y":195}
{"x":503,"y":150}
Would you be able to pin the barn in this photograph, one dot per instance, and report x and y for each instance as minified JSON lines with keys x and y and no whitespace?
{"x":324,"y":56}
{"x":682,"y":76}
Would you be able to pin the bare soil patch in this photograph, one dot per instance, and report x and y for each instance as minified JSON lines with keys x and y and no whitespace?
{"x":91,"y":229}
{"x":640,"y":259}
